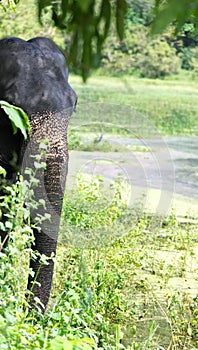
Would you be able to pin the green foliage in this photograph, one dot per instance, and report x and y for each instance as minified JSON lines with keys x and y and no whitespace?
{"x":140,"y":11}
{"x":74,"y":140}
{"x":88,"y":142}
{"x":8,"y":4}
{"x":194,"y":60}
{"x":86,"y":43}
{"x":109,"y":296}
{"x":172,"y":11}
{"x":128,"y":104}
{"x":22,"y":21}
{"x":122,"y":293}
{"x":59,"y":343}
{"x":97,"y":212}
{"x":106,"y":49}
{"x":186,"y":58}
{"x":18,"y":118}
{"x":18,"y":328}
{"x":16,"y":203}
{"x":141,"y":54}
{"x":17,"y":229}
{"x":20,"y":235}
{"x":157,"y":60}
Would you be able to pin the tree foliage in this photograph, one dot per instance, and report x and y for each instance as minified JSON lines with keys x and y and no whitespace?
{"x":86,"y":25}
{"x":89,"y":22}
{"x":140,"y":11}
{"x":176,"y":12}
{"x":140,"y":54}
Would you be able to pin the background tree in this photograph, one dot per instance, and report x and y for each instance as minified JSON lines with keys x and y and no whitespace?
{"x":86,"y":25}
{"x":176,"y":12}
{"x":89,"y":22}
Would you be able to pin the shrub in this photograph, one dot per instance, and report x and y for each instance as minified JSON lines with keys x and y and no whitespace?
{"x":139,"y":53}
{"x":121,"y":57}
{"x":91,"y":211}
{"x":140,"y":11}
{"x":194,"y":60}
{"x":158,"y":59}
{"x":186,"y":58}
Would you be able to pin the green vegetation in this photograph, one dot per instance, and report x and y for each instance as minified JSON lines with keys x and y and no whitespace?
{"x":18,"y":118}
{"x":103,"y":18}
{"x":22,"y":21}
{"x":140,"y":54}
{"x":133,"y":108}
{"x":135,"y":52}
{"x":124,"y":279}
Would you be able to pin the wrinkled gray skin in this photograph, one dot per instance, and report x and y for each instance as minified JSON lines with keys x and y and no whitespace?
{"x":34,"y":76}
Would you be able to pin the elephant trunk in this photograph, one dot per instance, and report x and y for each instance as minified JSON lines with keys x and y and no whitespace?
{"x":40,"y":281}
{"x":50,"y":189}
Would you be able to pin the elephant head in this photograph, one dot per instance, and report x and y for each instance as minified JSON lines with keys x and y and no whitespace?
{"x":34,"y":76}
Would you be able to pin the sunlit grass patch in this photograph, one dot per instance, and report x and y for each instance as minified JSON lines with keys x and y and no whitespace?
{"x":170,"y":106}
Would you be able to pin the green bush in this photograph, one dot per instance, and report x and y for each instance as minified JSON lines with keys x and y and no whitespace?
{"x":157,"y":60}
{"x":120,"y":58}
{"x":140,"y":11}
{"x":186,"y":58}
{"x":92,"y":209}
{"x":139,"y":53}
{"x":21,"y":328}
{"x":74,"y":140}
{"x":194,"y":60}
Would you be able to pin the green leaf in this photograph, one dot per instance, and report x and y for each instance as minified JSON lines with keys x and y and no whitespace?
{"x":121,"y":9}
{"x":172,"y":12}
{"x":189,"y":331}
{"x":106,"y":15}
{"x":18,"y":118}
{"x":84,"y":5}
{"x":2,"y":171}
{"x":64,"y":8}
{"x":59,"y":343}
{"x":41,"y":5}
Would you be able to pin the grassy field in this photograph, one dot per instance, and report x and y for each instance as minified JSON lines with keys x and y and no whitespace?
{"x":124,"y":279}
{"x":140,"y":107}
{"x":140,"y":274}
{"x":137,"y":273}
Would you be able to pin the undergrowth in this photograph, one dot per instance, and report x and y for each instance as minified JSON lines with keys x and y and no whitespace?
{"x":124,"y":279}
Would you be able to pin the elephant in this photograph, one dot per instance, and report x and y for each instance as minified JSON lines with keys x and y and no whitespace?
{"x":34,"y":77}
